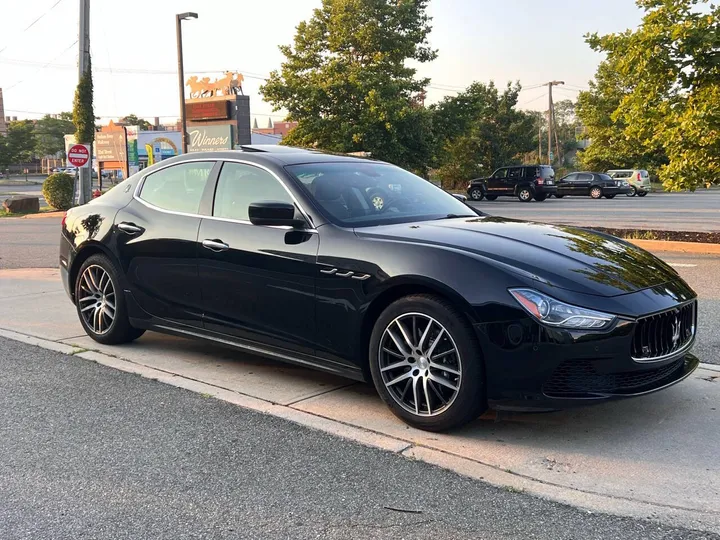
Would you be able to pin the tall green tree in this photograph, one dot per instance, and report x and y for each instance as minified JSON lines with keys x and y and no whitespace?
{"x":348,"y":81}
{"x":20,"y":141}
{"x":133,"y":120}
{"x":83,"y":114}
{"x":50,"y":133}
{"x":660,"y":90}
{"x":479,"y":130}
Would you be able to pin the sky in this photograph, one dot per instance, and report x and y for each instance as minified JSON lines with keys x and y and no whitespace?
{"x":134,"y":55}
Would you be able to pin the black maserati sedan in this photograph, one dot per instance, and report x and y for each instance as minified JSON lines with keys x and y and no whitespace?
{"x":595,"y":185}
{"x":446,"y":310}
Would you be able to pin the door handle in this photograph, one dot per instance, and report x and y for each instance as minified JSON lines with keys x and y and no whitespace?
{"x":215,"y":245}
{"x":129,"y":228}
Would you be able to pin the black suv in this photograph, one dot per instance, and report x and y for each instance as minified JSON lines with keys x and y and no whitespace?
{"x":526,"y":182}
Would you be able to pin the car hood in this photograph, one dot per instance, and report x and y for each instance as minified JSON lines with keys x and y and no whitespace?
{"x":567,"y":257}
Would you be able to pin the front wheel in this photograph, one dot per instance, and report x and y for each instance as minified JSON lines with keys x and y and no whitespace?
{"x":642,"y":193}
{"x":476,"y":194}
{"x":101,"y":303}
{"x":596,"y":192}
{"x":426,"y":363}
{"x":540,"y":197}
{"x":491,"y":197}
{"x":525,"y":195}
{"x":633,"y":191}
{"x":559,"y":196}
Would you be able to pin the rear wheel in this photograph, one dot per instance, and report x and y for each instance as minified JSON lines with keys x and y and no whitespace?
{"x":426,"y":363}
{"x":491,"y":197}
{"x":596,"y":192}
{"x":642,"y":193}
{"x":525,"y":195}
{"x":540,"y":197}
{"x":101,"y":303}
{"x":476,"y":194}
{"x":559,"y":196}
{"x":609,"y":196}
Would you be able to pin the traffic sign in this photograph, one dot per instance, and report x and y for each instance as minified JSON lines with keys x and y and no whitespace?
{"x":79,"y":155}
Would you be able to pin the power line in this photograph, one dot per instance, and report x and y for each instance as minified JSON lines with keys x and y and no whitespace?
{"x":29,"y":26}
{"x":43,"y":67}
{"x":530,"y":101}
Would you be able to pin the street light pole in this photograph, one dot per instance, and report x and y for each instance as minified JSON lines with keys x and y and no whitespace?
{"x":181,"y":73}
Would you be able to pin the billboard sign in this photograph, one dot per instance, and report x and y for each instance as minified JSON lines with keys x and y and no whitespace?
{"x":111,"y":146}
{"x":209,"y":138}
{"x":207,"y":110}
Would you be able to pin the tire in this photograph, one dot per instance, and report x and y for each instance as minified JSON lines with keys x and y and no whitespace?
{"x":596,"y":192}
{"x":476,"y":194}
{"x":491,"y":197}
{"x":559,"y":196}
{"x":95,"y":297}
{"x":464,"y":398}
{"x":633,"y":191}
{"x":524,"y":194}
{"x":540,"y":197}
{"x":609,"y":196}
{"x":642,"y":193}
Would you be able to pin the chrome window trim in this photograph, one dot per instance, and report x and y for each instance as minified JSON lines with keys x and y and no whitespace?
{"x":141,"y":183}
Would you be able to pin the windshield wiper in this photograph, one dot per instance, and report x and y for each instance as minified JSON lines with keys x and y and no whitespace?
{"x":453,"y":216}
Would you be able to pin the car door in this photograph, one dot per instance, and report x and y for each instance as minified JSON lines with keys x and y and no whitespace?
{"x":514,"y":176}
{"x":581,"y":186}
{"x":496,"y":183}
{"x":258,"y":282}
{"x":565,"y":185}
{"x":156,"y":241}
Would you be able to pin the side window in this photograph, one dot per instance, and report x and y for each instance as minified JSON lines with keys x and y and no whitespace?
{"x":500,"y":173}
{"x":585,"y":177}
{"x":570,"y":178}
{"x":515,"y":173}
{"x":240,"y":185}
{"x":177,"y":188}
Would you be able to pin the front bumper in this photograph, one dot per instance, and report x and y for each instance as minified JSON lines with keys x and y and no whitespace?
{"x":529,"y":366}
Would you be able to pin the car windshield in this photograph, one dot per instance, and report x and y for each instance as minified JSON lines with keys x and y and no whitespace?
{"x":363,"y":194}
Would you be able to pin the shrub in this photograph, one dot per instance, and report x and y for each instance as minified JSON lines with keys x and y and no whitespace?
{"x":58,"y":190}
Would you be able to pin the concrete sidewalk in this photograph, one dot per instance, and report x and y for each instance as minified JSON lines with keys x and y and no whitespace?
{"x":654,"y":457}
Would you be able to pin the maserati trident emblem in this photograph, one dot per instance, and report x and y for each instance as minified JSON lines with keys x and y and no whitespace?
{"x":676,"y":332}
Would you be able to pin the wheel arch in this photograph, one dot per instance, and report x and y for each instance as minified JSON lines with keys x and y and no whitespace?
{"x":399,"y":288}
{"x":86,"y":251}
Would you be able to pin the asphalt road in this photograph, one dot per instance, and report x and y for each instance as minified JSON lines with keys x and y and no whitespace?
{"x":699,"y":211}
{"x":90,"y":452}
{"x":34,"y":243}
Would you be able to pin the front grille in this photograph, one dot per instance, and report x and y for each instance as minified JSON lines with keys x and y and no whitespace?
{"x":662,"y":334}
{"x":579,"y":378}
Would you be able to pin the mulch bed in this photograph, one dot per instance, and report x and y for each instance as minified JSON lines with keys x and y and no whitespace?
{"x":653,"y":234}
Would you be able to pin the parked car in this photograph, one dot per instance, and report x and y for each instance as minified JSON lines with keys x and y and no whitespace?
{"x":526,"y":182}
{"x":285,"y":256}
{"x":595,"y":185}
{"x":639,"y":180}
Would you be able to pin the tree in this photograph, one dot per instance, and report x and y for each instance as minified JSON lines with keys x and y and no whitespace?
{"x":133,"y":120}
{"x":659,"y":91}
{"x":20,"y":141}
{"x":50,"y":133}
{"x":479,"y":130}
{"x":83,"y":115}
{"x":346,"y":80}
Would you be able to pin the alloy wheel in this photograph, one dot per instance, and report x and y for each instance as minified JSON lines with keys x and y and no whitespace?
{"x":476,"y":194}
{"x":525,"y":195}
{"x":420,"y":364}
{"x":633,"y":191}
{"x":596,"y":193}
{"x":96,"y":300}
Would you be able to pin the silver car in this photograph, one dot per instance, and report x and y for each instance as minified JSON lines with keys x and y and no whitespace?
{"x":639,"y":180}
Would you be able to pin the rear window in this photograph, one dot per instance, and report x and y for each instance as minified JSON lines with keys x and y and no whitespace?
{"x":604,"y":177}
{"x":644,"y":174}
{"x":546,"y":172}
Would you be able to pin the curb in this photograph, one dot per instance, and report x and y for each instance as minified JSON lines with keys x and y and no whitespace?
{"x":673,"y":245}
{"x":475,"y":469}
{"x":43,"y":215}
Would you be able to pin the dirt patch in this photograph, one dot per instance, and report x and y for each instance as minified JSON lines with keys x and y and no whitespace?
{"x":652,"y":234}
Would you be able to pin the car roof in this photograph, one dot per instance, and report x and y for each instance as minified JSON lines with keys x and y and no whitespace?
{"x":292,"y":156}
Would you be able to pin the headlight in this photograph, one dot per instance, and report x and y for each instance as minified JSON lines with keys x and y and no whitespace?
{"x":552,"y":312}
{"x":469,"y":186}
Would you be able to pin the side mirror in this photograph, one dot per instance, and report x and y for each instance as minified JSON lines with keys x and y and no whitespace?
{"x":273,"y":213}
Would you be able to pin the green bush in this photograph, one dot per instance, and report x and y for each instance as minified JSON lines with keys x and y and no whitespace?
{"x":58,"y":190}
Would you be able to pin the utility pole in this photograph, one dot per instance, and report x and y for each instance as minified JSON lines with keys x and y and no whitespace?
{"x":551,"y":117}
{"x":539,"y":142}
{"x":84,"y":174}
{"x":181,"y":74}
